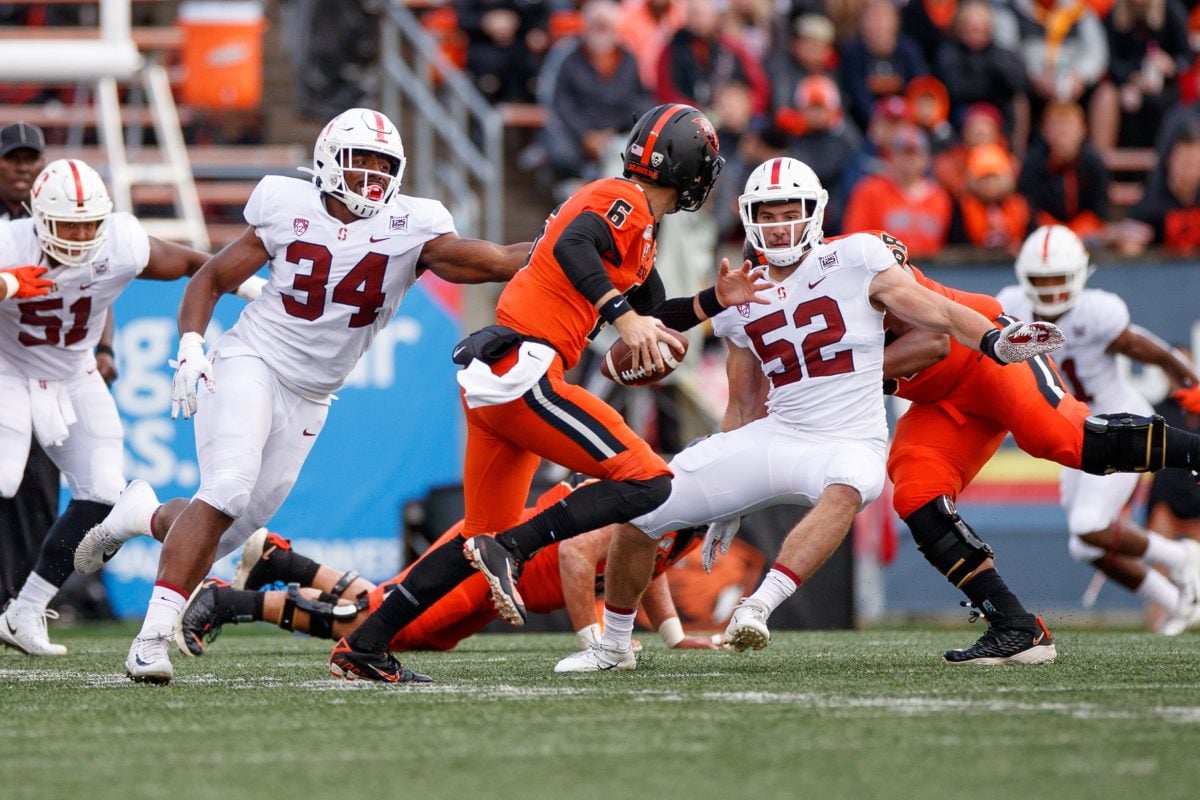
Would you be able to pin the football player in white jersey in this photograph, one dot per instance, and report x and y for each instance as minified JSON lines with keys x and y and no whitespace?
{"x":62,"y":270}
{"x":342,"y":251}
{"x":806,"y":422}
{"x":1052,"y":270}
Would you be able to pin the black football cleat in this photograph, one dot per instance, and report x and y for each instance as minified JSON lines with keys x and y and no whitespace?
{"x":351,"y":665}
{"x":255,"y":569}
{"x":1019,"y":640}
{"x":501,"y":568}
{"x":198,"y":625}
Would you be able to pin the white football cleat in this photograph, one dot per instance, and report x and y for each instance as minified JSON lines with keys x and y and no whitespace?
{"x":1187,"y":578}
{"x":747,"y":629}
{"x":130,"y":517}
{"x":23,"y":627}
{"x":149,"y":660}
{"x":597,"y":658}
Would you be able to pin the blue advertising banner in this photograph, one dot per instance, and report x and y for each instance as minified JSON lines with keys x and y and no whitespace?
{"x":393,"y":432}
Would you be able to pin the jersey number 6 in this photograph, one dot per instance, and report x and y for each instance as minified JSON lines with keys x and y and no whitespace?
{"x":785,"y":350}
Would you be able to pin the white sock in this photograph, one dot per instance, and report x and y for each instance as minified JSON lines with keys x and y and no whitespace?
{"x":1157,"y":589}
{"x":1164,"y":552}
{"x":775,"y":588}
{"x":37,"y":592}
{"x":618,"y":629}
{"x":166,"y":605}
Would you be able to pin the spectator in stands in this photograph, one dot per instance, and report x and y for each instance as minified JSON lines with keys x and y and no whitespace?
{"x":505,"y":43}
{"x":977,"y":70}
{"x":645,"y":27}
{"x":1170,"y":208}
{"x":1062,"y":43}
{"x":761,"y":143}
{"x":991,"y":213}
{"x":1148,"y":50}
{"x":929,"y":107}
{"x":1063,"y":177}
{"x":700,"y":57}
{"x":810,"y":51}
{"x":981,"y":125}
{"x":825,"y":141}
{"x":903,"y":200}
{"x":929,"y":23}
{"x":888,"y":116}
{"x":591,"y":91}
{"x":752,"y":24}
{"x":880,"y":61}
{"x":332,"y":47}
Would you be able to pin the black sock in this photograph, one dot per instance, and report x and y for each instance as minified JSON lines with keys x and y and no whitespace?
{"x":57,"y":559}
{"x":991,"y":595}
{"x":430,"y":579}
{"x":284,"y":565}
{"x":1183,"y":449}
{"x":238,"y":605}
{"x":586,"y":509}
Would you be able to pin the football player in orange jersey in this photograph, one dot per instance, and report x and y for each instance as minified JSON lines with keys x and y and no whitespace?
{"x":592,"y":264}
{"x":962,"y":409}
{"x":328,"y":603}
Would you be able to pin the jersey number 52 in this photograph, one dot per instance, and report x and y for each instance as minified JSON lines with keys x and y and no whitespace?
{"x":816,"y":365}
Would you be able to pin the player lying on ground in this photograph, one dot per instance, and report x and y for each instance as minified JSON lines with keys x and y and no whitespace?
{"x":1053,"y":268}
{"x":330,"y":604}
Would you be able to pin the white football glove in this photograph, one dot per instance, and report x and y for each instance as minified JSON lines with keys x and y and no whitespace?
{"x":718,"y":537}
{"x":251,"y":288}
{"x":1021,"y":341}
{"x":191,"y":366}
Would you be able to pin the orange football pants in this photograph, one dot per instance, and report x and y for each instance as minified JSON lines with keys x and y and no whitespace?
{"x":940,"y":446}
{"x":555,"y":420}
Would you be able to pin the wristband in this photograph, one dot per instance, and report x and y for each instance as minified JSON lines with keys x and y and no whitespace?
{"x":709,"y":303}
{"x":104,"y":350}
{"x":190,"y":339}
{"x":987,"y":345}
{"x":614,"y":308}
{"x":11,"y":285}
{"x":890,"y":386}
{"x":671,"y":632}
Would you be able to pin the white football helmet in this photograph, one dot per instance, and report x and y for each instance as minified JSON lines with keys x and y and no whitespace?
{"x":1053,"y":251}
{"x":359,"y":129}
{"x":68,"y":190}
{"x":782,"y":180}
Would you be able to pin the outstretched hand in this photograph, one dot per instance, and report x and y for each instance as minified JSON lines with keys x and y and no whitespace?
{"x":735,"y":287}
{"x":25,"y":282}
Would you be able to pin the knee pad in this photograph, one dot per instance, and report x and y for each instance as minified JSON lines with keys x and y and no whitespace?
{"x":642,"y":496}
{"x":946,"y":541}
{"x":323,"y":612}
{"x":228,"y":493}
{"x":1083,"y":552}
{"x":1123,"y":443}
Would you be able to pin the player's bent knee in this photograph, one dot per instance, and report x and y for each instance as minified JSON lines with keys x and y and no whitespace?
{"x":1123,"y":443}
{"x":946,"y":540}
{"x":643,"y":496}
{"x":229,"y":495}
{"x":1083,"y":552}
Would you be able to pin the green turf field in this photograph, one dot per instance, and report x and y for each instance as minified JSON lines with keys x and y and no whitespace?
{"x":870,"y":714}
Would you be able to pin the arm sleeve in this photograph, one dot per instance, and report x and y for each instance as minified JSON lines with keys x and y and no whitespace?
{"x":579,"y":252}
{"x":647,"y":299}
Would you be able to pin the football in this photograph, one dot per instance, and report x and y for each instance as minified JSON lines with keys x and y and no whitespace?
{"x":617,"y":365}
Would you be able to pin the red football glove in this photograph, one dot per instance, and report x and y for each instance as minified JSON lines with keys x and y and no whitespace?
{"x":29,"y":282}
{"x":1189,"y":398}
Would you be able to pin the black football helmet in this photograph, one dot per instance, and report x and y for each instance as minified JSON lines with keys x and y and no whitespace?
{"x":675,"y":145}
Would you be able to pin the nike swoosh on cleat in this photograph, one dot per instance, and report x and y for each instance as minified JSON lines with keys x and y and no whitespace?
{"x":138,"y":660}
{"x":458,"y":350}
{"x":1038,"y":639}
{"x":11,"y":629}
{"x":386,"y":676}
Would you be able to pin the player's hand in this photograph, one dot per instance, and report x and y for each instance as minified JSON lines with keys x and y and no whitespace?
{"x":642,"y":335}
{"x":1021,"y":341}
{"x":191,"y":366}
{"x":697,"y":643}
{"x":23,"y":283}
{"x":735,"y":287}
{"x":1188,"y":399}
{"x":717,"y":539}
{"x":106,"y":365}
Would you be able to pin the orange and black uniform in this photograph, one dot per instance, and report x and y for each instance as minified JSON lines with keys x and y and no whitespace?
{"x":964,"y":405}
{"x":468,"y":608}
{"x":557,"y":420}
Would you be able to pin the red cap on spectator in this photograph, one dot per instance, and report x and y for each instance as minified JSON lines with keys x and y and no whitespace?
{"x":984,"y":110}
{"x":988,"y":159}
{"x":891,"y":107}
{"x":818,"y":90}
